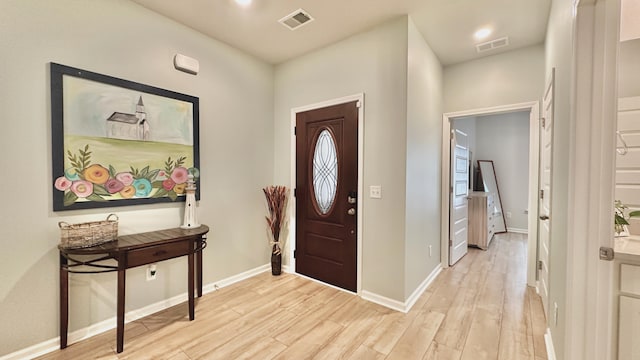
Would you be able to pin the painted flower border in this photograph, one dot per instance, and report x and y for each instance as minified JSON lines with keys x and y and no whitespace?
{"x":101,"y":185}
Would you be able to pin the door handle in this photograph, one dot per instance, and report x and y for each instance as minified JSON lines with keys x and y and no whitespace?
{"x":544,"y":217}
{"x":351,"y":211}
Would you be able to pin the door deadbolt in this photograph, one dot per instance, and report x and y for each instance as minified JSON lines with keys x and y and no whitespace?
{"x":351,"y":211}
{"x":352,"y":197}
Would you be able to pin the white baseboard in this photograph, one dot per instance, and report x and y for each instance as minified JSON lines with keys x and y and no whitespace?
{"x":517,"y":230}
{"x":34,"y":351}
{"x":98,"y":328}
{"x":422,"y":288}
{"x":398,"y":305}
{"x":109,"y":324}
{"x":548,"y":341}
{"x":384,"y":301}
{"x":235,"y":278}
{"x":379,"y":299}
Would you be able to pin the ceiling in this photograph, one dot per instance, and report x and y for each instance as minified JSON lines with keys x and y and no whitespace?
{"x":447,"y":25}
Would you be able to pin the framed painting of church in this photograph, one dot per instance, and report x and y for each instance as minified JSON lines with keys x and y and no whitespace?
{"x":117,"y":142}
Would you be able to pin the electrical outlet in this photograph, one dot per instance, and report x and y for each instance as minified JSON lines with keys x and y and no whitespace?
{"x":152,"y":272}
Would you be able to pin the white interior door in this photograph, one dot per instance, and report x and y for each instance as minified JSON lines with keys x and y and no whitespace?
{"x":546,"y":148}
{"x":459,"y":208}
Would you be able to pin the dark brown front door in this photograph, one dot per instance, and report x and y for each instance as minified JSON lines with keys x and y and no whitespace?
{"x":326,"y":185}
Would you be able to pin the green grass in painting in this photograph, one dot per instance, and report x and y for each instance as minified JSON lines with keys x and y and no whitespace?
{"x":123,"y":154}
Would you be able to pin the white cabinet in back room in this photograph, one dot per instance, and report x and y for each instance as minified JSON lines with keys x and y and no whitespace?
{"x":482,"y":219}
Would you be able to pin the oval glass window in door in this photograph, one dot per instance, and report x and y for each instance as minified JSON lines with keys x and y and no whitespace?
{"x":325,"y":171}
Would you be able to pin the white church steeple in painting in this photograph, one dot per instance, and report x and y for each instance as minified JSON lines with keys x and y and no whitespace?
{"x":143,"y":124}
{"x":129,"y":126}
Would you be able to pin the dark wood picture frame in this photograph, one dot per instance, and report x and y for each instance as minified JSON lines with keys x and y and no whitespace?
{"x":117,"y":142}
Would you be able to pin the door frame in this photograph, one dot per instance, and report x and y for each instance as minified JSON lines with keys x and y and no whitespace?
{"x":291,"y":238}
{"x":589,"y":333}
{"x":549,"y":87}
{"x":534,"y":137}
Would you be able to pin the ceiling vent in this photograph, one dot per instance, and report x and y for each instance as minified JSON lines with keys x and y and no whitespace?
{"x":296,"y":19}
{"x":493,"y":44}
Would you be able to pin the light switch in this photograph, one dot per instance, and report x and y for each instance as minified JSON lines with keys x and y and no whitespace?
{"x":375,"y":192}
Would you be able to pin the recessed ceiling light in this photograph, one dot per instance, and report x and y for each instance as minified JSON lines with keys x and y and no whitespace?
{"x":482,"y":33}
{"x":244,"y":2}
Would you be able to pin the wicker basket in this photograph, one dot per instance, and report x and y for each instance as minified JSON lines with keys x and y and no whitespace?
{"x":88,"y":234}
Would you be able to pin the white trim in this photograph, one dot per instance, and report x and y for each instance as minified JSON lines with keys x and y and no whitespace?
{"x":494,"y":110}
{"x":534,"y":170}
{"x":630,"y":103}
{"x":384,"y":301}
{"x":133,"y":315}
{"x":445,"y":184}
{"x":589,"y":296}
{"x":422,"y":288}
{"x":234,"y":279}
{"x":548,"y":342}
{"x":518,"y":230}
{"x":292,"y":204}
{"x":534,"y":133}
{"x":407,"y":305}
{"x":34,"y":351}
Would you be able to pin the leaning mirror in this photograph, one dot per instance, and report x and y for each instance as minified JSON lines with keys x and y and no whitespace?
{"x":494,"y":202}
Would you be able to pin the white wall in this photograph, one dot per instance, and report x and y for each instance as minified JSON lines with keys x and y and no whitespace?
{"x":629,"y":68}
{"x":119,"y":38}
{"x":507,"y":78}
{"x":504,"y":138}
{"x":373,"y":63}
{"x":424,"y":129}
{"x":398,"y":142}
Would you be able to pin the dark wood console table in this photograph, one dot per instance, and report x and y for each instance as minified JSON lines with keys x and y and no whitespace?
{"x":130,"y":251}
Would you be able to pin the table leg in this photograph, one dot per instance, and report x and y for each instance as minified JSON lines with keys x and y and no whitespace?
{"x":120,"y":307}
{"x":64,"y":301}
{"x":190,"y":286}
{"x":199,"y":265}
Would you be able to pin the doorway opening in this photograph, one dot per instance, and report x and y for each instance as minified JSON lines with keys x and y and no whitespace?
{"x":532,"y":108}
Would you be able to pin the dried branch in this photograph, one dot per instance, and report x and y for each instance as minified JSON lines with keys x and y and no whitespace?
{"x":276,"y":197}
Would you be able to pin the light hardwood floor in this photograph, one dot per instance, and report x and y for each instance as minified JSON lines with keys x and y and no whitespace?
{"x":480,"y":308}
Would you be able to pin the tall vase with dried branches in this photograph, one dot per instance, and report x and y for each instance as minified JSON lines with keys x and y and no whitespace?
{"x":277,"y":203}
